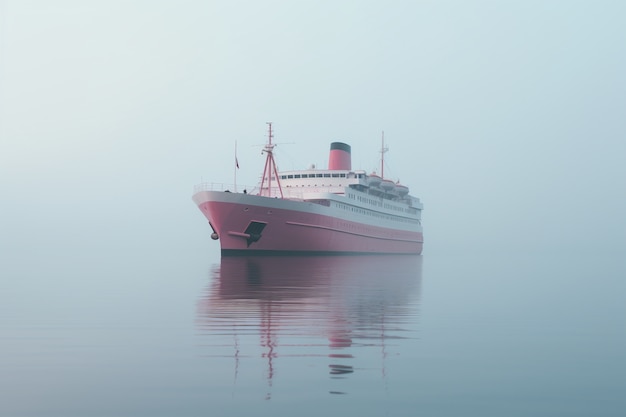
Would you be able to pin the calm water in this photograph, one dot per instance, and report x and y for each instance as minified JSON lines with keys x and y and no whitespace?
{"x":436,"y":335}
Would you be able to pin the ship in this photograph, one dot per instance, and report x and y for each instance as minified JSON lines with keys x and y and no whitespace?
{"x":333,"y":211}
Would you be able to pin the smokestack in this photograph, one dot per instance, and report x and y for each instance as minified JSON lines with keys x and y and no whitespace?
{"x":340,"y":158}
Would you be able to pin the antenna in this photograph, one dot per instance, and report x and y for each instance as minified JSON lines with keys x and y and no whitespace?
{"x":269,"y":135}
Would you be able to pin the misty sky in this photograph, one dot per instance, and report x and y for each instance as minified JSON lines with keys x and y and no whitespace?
{"x":507,"y":118}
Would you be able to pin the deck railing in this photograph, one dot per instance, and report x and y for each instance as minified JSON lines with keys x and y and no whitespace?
{"x":220,"y":186}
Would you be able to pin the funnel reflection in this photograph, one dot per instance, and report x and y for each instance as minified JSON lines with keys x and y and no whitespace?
{"x":337,"y":315}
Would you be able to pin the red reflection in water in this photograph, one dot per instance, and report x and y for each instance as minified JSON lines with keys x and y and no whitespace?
{"x":345,"y":300}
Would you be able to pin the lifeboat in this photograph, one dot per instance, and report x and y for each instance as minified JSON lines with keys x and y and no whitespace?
{"x":402,"y":190}
{"x":387,"y":185}
{"x":373,"y":180}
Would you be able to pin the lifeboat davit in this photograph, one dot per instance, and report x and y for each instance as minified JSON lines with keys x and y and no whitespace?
{"x":387,"y":185}
{"x":373,"y":180}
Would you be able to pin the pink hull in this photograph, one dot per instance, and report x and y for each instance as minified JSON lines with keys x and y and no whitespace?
{"x":293,"y":231}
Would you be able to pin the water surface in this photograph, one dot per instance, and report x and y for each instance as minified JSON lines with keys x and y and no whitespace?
{"x":435,"y":335}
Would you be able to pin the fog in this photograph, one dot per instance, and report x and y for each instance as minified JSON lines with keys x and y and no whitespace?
{"x":506,"y":118}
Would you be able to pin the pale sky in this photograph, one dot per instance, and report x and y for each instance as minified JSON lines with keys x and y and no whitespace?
{"x":507,"y":118}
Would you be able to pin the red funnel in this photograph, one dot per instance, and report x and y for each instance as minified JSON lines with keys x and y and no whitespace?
{"x":340,"y":158}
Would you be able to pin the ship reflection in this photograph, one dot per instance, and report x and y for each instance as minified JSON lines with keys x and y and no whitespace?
{"x":312,"y":307}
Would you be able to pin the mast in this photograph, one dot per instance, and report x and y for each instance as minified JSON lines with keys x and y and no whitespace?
{"x":236,"y":166}
{"x":382,"y":156}
{"x":270,"y":165}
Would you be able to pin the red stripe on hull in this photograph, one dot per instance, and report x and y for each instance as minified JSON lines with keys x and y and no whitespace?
{"x":302,"y":232}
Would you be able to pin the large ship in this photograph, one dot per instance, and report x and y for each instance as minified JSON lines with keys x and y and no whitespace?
{"x":314,"y":211}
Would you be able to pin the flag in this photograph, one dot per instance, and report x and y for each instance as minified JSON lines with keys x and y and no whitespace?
{"x":236,"y":160}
